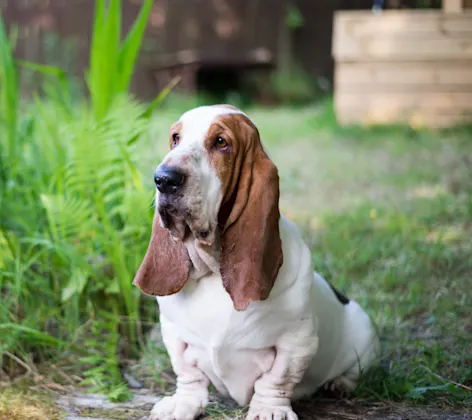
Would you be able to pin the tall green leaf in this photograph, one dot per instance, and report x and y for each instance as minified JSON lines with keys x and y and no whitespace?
{"x":8,"y":93}
{"x":131,"y":46}
{"x":112,"y":62}
{"x":97,"y":60}
{"x":62,"y":94}
{"x":110,"y":49}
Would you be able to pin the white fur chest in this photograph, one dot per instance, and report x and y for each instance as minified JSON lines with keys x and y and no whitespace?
{"x":223,"y":343}
{"x":204,"y":315}
{"x":202,"y":312}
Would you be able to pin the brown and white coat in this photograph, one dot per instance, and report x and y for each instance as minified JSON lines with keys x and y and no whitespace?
{"x":240,"y":305}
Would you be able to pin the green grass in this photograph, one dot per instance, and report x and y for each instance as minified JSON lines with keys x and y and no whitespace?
{"x":387,"y":212}
{"x":410,"y":267}
{"x":24,"y":405}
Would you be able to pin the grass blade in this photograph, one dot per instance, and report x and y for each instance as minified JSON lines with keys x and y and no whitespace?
{"x":97,"y":57}
{"x":33,"y":334}
{"x":59,"y":74}
{"x":44,"y":69}
{"x":160,"y":98}
{"x":9,"y":89}
{"x":111,"y":45}
{"x":131,"y":46}
{"x":156,"y":102}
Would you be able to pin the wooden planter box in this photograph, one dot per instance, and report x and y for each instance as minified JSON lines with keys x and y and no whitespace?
{"x":412,"y":67}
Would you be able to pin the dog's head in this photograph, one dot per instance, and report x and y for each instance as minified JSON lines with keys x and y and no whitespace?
{"x":218,"y":186}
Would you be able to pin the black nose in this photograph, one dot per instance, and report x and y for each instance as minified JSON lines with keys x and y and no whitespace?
{"x":168,"y":180}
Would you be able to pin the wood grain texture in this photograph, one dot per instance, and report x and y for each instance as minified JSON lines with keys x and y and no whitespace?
{"x":432,"y":76}
{"x":411,"y":67}
{"x":417,"y":119}
{"x":453,"y":6}
{"x":425,"y":110}
{"x":414,"y":35}
{"x":438,"y":101}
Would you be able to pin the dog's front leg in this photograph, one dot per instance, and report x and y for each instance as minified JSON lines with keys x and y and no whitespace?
{"x":191,"y":395}
{"x":273,"y":391}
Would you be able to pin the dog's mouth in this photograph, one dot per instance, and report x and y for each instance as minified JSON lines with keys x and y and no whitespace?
{"x":172,"y":217}
{"x":181,"y":223}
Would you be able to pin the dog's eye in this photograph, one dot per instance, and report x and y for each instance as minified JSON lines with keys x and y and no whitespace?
{"x":221,"y":143}
{"x":175,"y":140}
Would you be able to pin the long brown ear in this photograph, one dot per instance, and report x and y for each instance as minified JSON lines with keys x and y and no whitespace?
{"x":251,"y":249}
{"x":166,"y":265}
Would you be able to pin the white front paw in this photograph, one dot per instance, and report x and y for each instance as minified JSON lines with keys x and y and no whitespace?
{"x":178,"y":407}
{"x":261,"y":412}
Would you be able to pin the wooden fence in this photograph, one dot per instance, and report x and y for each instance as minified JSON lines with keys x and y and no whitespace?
{"x":408,"y":66}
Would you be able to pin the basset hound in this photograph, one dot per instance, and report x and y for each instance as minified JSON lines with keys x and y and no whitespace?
{"x":240,"y":304}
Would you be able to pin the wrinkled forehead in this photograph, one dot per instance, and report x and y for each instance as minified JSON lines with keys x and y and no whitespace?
{"x":194,"y":124}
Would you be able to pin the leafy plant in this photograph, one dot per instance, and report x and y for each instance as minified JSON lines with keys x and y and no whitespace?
{"x":102,"y":370}
{"x":8,"y":103}
{"x":112,"y":62}
{"x":71,"y":234}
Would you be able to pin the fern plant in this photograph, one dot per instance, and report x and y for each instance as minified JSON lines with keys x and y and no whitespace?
{"x":112,"y":61}
{"x":88,"y":207}
{"x":71,"y":234}
{"x":92,"y":218}
{"x":102,"y":372}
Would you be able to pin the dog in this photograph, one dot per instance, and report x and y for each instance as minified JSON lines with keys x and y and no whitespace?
{"x":240,"y":304}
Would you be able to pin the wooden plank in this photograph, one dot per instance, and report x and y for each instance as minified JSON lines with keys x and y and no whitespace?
{"x":409,"y":101}
{"x":410,"y":76}
{"x":417,"y":119}
{"x":424,"y":110}
{"x":403,"y":23}
{"x":410,"y":67}
{"x":402,"y":35}
{"x":414,"y":50}
{"x":452,"y":6}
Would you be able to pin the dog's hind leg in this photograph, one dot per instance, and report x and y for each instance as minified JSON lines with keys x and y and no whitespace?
{"x":361,"y":350}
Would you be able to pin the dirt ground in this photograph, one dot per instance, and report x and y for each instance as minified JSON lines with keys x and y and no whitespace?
{"x":87,"y":407}
{"x":345,"y":410}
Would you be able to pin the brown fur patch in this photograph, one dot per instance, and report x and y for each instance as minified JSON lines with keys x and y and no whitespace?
{"x":166,"y":265}
{"x":232,"y":128}
{"x":251,"y":249}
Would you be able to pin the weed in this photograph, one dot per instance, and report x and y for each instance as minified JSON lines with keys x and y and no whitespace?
{"x":112,"y":61}
{"x":16,"y":405}
{"x":70,"y":232}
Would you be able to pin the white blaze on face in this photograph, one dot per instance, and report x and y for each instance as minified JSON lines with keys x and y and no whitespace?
{"x":202,"y":193}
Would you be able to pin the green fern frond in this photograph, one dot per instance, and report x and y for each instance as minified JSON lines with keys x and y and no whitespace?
{"x":102,"y":373}
{"x":6,"y":254}
{"x":68,"y":217}
{"x":70,"y":231}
